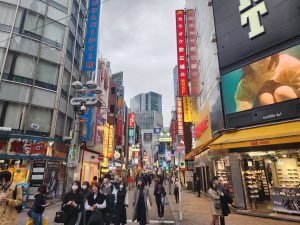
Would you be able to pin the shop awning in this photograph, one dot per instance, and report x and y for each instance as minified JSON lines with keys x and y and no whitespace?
{"x":199,"y":148}
{"x":283,"y":133}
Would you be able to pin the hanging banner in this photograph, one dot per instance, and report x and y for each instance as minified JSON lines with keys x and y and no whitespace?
{"x":181,"y":53}
{"x":91,"y":37}
{"x":187,"y":110}
{"x":179,"y":116}
{"x":119,"y":132}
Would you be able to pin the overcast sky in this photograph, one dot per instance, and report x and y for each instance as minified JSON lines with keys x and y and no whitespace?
{"x":138,"y":37}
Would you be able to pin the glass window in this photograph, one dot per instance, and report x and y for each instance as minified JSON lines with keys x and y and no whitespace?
{"x":66,"y":84}
{"x":41,"y":117}
{"x":54,"y":33}
{"x":33,"y":25}
{"x":7,"y":13}
{"x":25,"y":66}
{"x":77,"y":54}
{"x":75,"y":10}
{"x":61,"y":2}
{"x":14,"y":115}
{"x":2,"y":54}
{"x":70,"y":45}
{"x":47,"y":72}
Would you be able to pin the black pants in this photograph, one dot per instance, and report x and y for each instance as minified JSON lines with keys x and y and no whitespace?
{"x":71,"y":220}
{"x":160,"y":208}
{"x":199,"y":192}
{"x":176,"y":197}
{"x":222,"y":220}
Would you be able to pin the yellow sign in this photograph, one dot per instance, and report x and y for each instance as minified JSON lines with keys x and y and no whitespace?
{"x":105,"y":144}
{"x":187,"y":110}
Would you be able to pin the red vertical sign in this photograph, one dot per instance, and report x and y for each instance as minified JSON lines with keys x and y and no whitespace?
{"x":119,"y":130}
{"x":181,"y":53}
{"x":131,"y":120}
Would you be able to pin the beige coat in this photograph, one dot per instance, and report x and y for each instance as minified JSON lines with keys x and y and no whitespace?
{"x":135,"y":202}
{"x":8,"y":213}
{"x":214,"y":196}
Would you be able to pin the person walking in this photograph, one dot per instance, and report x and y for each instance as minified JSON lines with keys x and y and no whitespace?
{"x":129,"y":181}
{"x":11,"y":197}
{"x":110,"y":192}
{"x":160,"y":195}
{"x":95,"y":206}
{"x":121,"y":205}
{"x":73,"y":204}
{"x":214,"y":195}
{"x":39,"y":205}
{"x":198,"y":186}
{"x":176,"y":190}
{"x":86,"y":191}
{"x":225,"y":199}
{"x":140,"y":204}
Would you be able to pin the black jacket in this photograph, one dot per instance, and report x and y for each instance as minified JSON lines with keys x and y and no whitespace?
{"x":225,"y":200}
{"x":39,"y":200}
{"x":159,"y":192}
{"x":77,"y":198}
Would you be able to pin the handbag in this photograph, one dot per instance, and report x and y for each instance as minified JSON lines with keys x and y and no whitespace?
{"x":60,"y":217}
{"x":164,"y":201}
{"x":217,"y":203}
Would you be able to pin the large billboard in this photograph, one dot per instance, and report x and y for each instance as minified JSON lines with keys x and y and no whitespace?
{"x":181,"y":53}
{"x":270,"y":87}
{"x":245,"y":28}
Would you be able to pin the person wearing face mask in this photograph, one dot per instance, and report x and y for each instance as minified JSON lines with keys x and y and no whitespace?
{"x":95,"y":206}
{"x":110,"y":192}
{"x":121,"y":205}
{"x":73,"y":204}
{"x":216,"y":207}
{"x":86,"y":191}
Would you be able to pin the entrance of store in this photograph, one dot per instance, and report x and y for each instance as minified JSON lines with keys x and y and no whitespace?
{"x":266,"y":171}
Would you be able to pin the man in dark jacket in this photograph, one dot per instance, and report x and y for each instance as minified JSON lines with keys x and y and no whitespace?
{"x":198,"y":186}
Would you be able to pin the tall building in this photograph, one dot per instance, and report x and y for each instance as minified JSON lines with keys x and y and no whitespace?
{"x":118,"y":80}
{"x":40,"y":56}
{"x":148,"y":119}
{"x":175,"y":82}
{"x":146,"y":101}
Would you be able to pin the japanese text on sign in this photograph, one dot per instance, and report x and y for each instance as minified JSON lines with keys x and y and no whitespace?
{"x":179,"y":116}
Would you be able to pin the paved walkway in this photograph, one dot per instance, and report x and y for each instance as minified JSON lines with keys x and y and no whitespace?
{"x":197,"y":211}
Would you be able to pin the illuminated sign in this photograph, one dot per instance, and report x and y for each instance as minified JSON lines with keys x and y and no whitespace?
{"x":131,"y":120}
{"x":181,"y":53}
{"x":187,"y":110}
{"x":91,"y":36}
{"x":131,"y":136}
{"x":179,"y":116}
{"x":119,"y":131}
{"x":250,"y":15}
{"x":201,"y":127}
{"x":165,"y":139}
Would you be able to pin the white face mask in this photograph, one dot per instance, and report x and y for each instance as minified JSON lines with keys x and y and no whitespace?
{"x":74,"y":187}
{"x":84,"y":187}
{"x":105,"y":180}
{"x":121,"y":186}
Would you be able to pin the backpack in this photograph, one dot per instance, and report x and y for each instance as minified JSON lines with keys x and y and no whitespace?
{"x":20,"y":207}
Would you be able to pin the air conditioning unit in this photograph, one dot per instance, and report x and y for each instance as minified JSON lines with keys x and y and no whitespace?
{"x":209,"y":3}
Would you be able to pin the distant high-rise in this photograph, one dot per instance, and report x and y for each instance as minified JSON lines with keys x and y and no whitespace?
{"x":148,"y":101}
{"x":118,"y":80}
{"x":175,"y":81}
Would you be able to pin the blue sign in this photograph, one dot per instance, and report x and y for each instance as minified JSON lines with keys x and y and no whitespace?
{"x":157,"y":130}
{"x":91,"y":37}
{"x":88,"y":117}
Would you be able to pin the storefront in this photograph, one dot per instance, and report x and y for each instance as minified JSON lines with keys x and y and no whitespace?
{"x":263,"y":164}
{"x":33,"y":161}
{"x":90,"y":166}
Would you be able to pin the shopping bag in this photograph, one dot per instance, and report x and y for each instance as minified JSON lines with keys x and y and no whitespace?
{"x":60,"y":217}
{"x":30,"y":221}
{"x":45,"y":221}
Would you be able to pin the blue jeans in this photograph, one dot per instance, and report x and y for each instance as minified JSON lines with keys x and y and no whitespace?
{"x":37,"y":218}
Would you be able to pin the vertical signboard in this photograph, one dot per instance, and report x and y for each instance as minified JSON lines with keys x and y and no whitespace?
{"x":187,"y":111}
{"x":91,"y":38}
{"x":131,"y":120}
{"x":179,"y":116}
{"x":119,"y":130}
{"x":181,"y":53}
{"x":193,"y":57}
{"x":111,"y":136}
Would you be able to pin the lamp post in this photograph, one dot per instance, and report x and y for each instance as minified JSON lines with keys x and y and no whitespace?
{"x":80,"y":103}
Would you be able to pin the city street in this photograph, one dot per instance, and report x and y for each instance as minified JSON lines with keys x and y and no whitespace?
{"x":196,"y":211}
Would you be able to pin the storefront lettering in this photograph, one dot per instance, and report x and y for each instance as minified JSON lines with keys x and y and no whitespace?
{"x":250,"y":15}
{"x":257,"y":143}
{"x":201,"y":127}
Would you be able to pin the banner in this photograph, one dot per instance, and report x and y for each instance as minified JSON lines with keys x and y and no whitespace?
{"x":181,"y":53}
{"x":179,"y":116}
{"x":91,"y":36}
{"x":131,"y":120}
{"x":119,"y":132}
{"x":187,"y":110}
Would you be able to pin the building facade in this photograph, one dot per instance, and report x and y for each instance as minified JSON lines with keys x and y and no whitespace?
{"x":148,"y":101}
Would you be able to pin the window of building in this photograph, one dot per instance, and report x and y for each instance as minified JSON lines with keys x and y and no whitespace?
{"x":7,"y":13}
{"x":77,"y":54}
{"x":13,"y":115}
{"x":66,"y":84}
{"x":75,"y":11}
{"x":41,"y":117}
{"x":54,"y":33}
{"x":47,"y":75}
{"x":70,"y":45}
{"x":33,"y":25}
{"x":60,"y":124}
{"x":61,"y":4}
{"x":24,"y":66}
{"x":2,"y":54}
{"x":81,"y":22}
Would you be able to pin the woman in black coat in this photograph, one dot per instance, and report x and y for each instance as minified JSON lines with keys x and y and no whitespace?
{"x":225,"y":199}
{"x":73,"y":204}
{"x":121,"y":205}
{"x":160,"y":193}
{"x":95,"y":206}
